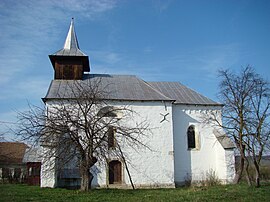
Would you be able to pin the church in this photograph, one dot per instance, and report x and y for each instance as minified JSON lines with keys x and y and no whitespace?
{"x":184,"y":149}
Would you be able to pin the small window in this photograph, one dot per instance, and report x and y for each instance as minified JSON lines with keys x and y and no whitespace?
{"x":191,"y":137}
{"x":30,"y":171}
{"x":111,"y":137}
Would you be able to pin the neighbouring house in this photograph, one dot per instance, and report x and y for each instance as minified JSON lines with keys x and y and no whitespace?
{"x":183,"y":147}
{"x":32,"y":159}
{"x":19,"y":163}
{"x":12,"y":167}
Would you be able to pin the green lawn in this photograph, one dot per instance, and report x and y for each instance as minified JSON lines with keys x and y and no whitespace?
{"x":12,"y":192}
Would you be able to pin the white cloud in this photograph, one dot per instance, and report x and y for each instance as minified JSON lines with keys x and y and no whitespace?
{"x":200,"y":64}
{"x":87,"y":7}
{"x":29,"y":30}
{"x":148,"y":49}
{"x":26,"y":89}
{"x":205,"y":62}
{"x":217,"y":57}
{"x":162,"y":5}
{"x":29,"y":27}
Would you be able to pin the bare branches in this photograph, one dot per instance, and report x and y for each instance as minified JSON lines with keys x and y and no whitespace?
{"x":246,"y":113}
{"x":76,"y":128}
{"x":32,"y":123}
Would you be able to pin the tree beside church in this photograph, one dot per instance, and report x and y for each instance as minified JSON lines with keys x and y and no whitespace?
{"x":176,"y":146}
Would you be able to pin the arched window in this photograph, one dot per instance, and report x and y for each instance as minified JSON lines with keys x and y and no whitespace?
{"x":191,"y":137}
{"x":110,"y":111}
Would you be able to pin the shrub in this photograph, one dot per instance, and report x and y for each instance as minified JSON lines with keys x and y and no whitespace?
{"x":211,"y":178}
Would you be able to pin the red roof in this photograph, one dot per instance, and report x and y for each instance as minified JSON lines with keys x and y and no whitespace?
{"x":12,"y":152}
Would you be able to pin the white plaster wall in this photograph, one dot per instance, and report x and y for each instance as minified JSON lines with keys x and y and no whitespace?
{"x":230,"y":163}
{"x":148,"y":167}
{"x":221,"y":169}
{"x":47,"y":173}
{"x":169,"y":159}
{"x":194,"y":164}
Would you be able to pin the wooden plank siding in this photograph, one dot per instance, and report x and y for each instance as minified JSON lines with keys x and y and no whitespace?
{"x":70,"y":70}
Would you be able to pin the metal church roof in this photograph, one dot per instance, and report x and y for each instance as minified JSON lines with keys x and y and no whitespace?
{"x":132,"y":88}
{"x":32,"y":155}
{"x":223,"y":139}
{"x":182,"y":94}
{"x":71,"y":40}
{"x":119,"y":87}
{"x":71,"y":45}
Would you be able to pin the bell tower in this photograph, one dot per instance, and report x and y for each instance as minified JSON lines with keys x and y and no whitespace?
{"x":70,"y":62}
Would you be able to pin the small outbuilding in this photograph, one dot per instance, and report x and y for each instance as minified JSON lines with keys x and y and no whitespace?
{"x":12,"y":167}
{"x":32,"y":160}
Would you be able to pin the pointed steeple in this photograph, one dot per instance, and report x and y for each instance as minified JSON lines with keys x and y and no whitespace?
{"x":70,"y":62}
{"x":71,"y":39}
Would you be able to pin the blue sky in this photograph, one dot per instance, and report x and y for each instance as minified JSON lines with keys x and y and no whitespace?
{"x":157,"y":40}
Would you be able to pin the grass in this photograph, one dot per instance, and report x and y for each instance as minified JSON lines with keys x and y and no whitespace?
{"x":19,"y":192}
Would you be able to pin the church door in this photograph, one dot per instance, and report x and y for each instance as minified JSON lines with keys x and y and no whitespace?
{"x":115,"y":172}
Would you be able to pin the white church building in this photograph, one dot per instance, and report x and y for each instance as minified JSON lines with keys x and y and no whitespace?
{"x":183,"y":147}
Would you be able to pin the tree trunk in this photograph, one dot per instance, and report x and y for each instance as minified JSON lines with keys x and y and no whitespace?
{"x":86,"y":175}
{"x":86,"y":179}
{"x":258,"y":179}
{"x":239,"y":172}
{"x":247,"y":173}
{"x":258,"y":174}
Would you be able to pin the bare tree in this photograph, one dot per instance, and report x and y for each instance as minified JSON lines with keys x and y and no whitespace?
{"x":245,"y":116}
{"x":84,"y":128}
{"x":5,"y":129}
{"x":2,"y":138}
{"x":257,"y":126}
